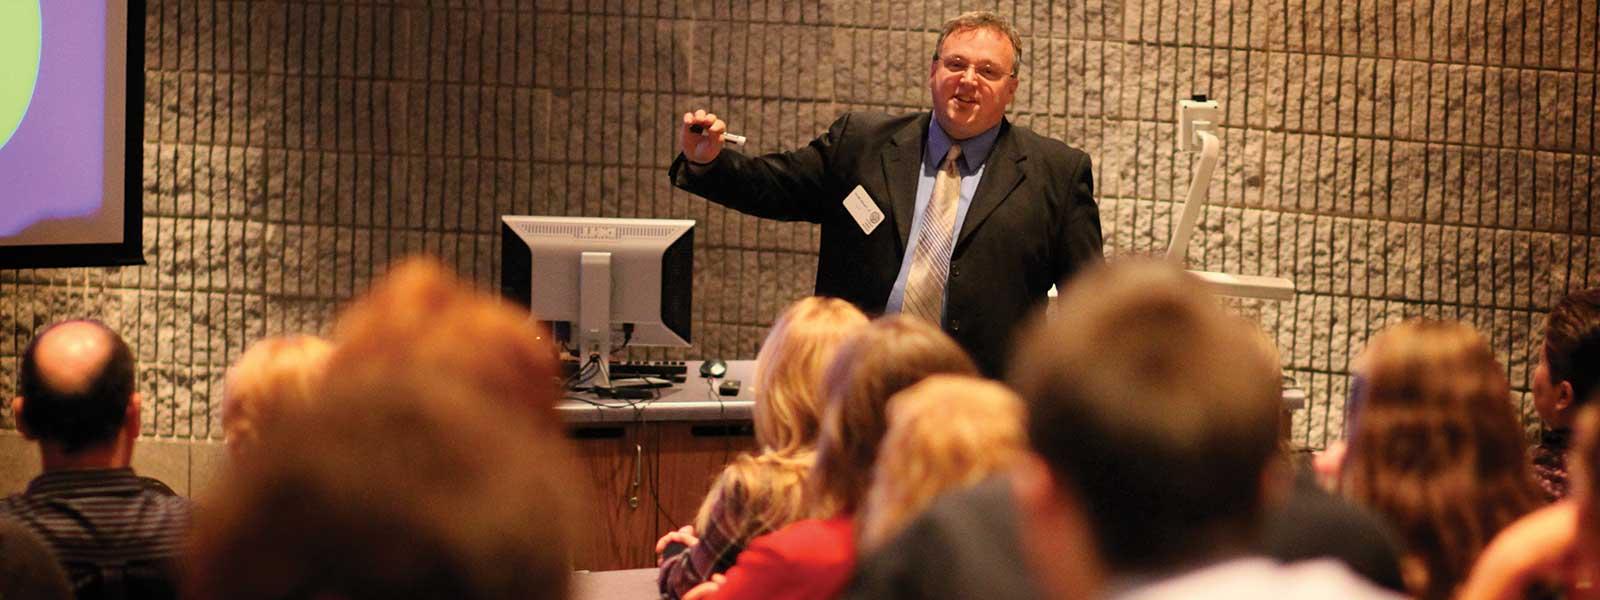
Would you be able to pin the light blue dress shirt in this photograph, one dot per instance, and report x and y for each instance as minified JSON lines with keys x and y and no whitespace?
{"x":974,"y":153}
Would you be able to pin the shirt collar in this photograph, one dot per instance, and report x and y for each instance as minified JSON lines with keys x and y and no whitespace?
{"x":85,"y":480}
{"x":974,"y":150}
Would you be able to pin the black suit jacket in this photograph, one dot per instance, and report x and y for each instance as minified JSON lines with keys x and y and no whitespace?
{"x":1032,"y":221}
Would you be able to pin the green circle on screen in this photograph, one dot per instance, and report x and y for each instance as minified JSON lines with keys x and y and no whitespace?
{"x":20,"y":41}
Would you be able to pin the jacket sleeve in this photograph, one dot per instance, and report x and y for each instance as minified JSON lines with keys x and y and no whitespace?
{"x":1078,"y":224}
{"x":798,"y":185}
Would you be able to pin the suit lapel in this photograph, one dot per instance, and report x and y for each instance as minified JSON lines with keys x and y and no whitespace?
{"x":1002,"y":172}
{"x":902,"y":163}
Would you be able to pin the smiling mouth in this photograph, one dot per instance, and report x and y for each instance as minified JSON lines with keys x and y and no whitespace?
{"x":964,"y":103}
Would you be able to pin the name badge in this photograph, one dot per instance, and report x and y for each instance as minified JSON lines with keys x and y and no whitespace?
{"x":863,"y":210}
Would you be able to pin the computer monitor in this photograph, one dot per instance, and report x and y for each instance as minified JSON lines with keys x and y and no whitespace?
{"x":595,"y":274}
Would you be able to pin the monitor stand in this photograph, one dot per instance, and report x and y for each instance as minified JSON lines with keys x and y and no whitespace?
{"x":594,"y":315}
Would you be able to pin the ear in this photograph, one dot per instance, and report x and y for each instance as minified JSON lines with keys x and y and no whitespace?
{"x":1033,"y":484}
{"x":1277,"y":482}
{"x":1564,"y":396}
{"x":16,"y":417}
{"x":1057,"y":539}
{"x":130,"y":415}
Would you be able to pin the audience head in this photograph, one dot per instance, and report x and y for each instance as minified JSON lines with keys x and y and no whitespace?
{"x":1154,"y":416}
{"x":76,"y":389}
{"x":889,"y":355}
{"x":1436,"y":448}
{"x":276,"y":375}
{"x":420,"y":318}
{"x":947,"y":432}
{"x":419,"y":488}
{"x":417,"y":474}
{"x":1569,"y":369}
{"x":28,"y":568}
{"x":788,"y":371}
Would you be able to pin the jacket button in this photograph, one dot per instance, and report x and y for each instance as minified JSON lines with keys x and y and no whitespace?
{"x":955,"y":324}
{"x":955,"y":272}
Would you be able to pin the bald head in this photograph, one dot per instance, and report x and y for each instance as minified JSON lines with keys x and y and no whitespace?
{"x":70,"y":355}
{"x":75,"y":383}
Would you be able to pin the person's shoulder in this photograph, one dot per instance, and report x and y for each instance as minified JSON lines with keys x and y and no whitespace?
{"x":877,"y":126}
{"x":1049,"y":148}
{"x":162,"y":494}
{"x":9,"y":504}
{"x":871,"y":118}
{"x":821,"y":536}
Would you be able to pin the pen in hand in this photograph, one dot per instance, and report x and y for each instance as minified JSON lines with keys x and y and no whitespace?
{"x":735,"y":139}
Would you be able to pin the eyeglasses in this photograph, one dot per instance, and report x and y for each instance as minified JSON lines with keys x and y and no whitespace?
{"x":959,"y":65}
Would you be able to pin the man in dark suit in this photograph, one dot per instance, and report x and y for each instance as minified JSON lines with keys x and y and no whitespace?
{"x":957,"y":216}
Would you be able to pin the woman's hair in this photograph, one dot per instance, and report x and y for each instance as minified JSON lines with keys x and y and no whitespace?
{"x":945,"y":433}
{"x":754,"y":495}
{"x":1436,"y":447}
{"x":788,"y":371}
{"x":275,"y":376}
{"x":891,"y":354}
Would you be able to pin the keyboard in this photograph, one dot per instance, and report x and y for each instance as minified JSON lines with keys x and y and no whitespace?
{"x":671,"y":370}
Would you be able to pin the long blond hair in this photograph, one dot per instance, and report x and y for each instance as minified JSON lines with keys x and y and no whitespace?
{"x":788,"y":371}
{"x":275,"y":376}
{"x":947,"y":432}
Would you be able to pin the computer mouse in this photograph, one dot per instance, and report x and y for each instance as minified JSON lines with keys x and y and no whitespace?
{"x":713,"y":369}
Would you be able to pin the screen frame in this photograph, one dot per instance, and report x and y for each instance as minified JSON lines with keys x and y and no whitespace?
{"x":130,"y":251}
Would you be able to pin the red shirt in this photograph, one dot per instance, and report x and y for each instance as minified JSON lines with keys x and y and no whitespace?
{"x":806,"y":560}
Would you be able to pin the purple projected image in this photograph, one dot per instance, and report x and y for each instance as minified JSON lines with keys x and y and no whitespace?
{"x":53,"y":166}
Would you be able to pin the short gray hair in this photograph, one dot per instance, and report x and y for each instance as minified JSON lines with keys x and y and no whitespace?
{"x":982,"y":19}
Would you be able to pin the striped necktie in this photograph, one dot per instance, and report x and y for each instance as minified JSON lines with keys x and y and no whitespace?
{"x":930,"y":263}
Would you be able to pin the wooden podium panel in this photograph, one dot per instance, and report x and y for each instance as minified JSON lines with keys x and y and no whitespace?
{"x":643,"y":479}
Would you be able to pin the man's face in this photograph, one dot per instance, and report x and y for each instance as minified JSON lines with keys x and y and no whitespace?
{"x":972,"y":81}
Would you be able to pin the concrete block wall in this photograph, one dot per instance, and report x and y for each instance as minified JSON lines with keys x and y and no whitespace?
{"x":1392,"y":157}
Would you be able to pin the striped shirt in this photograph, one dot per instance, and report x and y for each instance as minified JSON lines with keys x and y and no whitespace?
{"x":117,"y":534}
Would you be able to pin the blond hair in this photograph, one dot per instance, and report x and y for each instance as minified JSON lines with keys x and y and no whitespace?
{"x":889,"y":355}
{"x":274,"y":376}
{"x":947,"y":432}
{"x":755,"y":495}
{"x":788,"y":371}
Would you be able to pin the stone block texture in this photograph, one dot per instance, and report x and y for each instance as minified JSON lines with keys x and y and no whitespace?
{"x":1394,"y":158}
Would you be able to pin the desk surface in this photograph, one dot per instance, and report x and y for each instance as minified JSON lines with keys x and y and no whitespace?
{"x":628,"y":584}
{"x":693,"y":400}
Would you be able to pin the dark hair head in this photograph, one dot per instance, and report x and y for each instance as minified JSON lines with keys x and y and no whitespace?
{"x":76,"y":414}
{"x":1436,"y":447}
{"x":889,"y":355}
{"x":1156,"y":409}
{"x":1574,"y":321}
